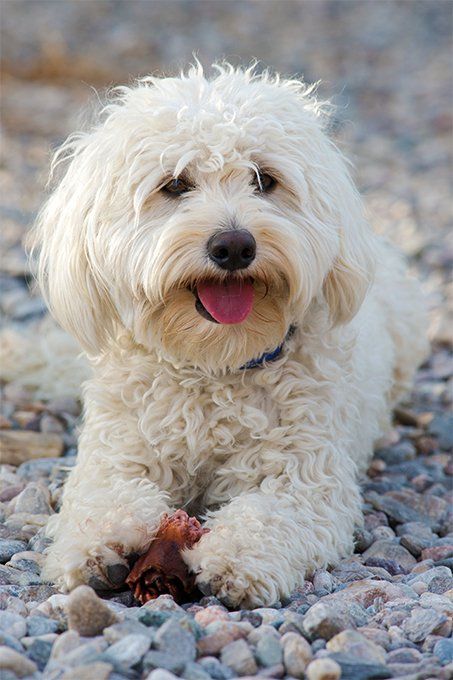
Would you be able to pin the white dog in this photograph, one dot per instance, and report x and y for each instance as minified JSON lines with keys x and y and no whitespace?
{"x":248,"y":332}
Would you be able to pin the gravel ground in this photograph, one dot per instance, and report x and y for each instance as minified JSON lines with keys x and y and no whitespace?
{"x":385,"y":612}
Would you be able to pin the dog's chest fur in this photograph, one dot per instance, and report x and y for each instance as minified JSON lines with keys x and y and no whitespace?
{"x":208,"y":437}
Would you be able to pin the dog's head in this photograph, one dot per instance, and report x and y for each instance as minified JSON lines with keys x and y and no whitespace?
{"x":204,"y":216}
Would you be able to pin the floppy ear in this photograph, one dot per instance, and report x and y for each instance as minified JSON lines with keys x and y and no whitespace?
{"x":352,"y":271}
{"x":64,"y":238}
{"x":347,"y":282}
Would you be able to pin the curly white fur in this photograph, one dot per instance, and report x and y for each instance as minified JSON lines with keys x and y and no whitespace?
{"x":269,"y":455}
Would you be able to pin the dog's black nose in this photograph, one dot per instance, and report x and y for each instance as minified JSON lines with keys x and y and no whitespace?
{"x":234,"y":249}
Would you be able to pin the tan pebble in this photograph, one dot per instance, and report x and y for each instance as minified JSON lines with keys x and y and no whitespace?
{"x":296,"y":654}
{"x":210,"y":615}
{"x":354,"y":643}
{"x":10,"y":660}
{"x":323,"y":669}
{"x":87,"y":613}
{"x":66,"y":642}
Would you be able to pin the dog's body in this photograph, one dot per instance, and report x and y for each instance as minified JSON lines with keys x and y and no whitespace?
{"x":170,"y":319}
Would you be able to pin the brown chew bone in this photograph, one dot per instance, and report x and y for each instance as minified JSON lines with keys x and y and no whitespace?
{"x":162,"y":569}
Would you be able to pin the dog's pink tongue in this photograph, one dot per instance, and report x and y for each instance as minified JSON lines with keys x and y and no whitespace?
{"x":229,"y":302}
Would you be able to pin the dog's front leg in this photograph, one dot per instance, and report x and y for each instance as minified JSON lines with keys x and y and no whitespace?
{"x":264,"y":541}
{"x":106,"y":514}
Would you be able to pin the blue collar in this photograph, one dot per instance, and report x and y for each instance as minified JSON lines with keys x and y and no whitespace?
{"x":269,"y":356}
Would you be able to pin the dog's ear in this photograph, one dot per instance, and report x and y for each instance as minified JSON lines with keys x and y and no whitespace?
{"x":352,"y":271}
{"x":64,"y":239}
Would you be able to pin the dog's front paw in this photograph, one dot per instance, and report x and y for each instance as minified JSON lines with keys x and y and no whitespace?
{"x":238,"y":575}
{"x":101,"y":567}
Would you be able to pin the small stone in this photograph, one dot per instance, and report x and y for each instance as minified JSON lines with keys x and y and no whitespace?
{"x":322,"y":580}
{"x":422,"y":622}
{"x":441,"y":427}
{"x":8,"y":548}
{"x":404,"y":655}
{"x":437,"y":552}
{"x":7,"y":640}
{"x":87,"y":613}
{"x":10,"y":660}
{"x":194,"y":671}
{"x":366,"y":592}
{"x":269,"y":651}
{"x":238,"y":656}
{"x":419,"y":587}
{"x":91,"y":671}
{"x":65,"y":643}
{"x":296,"y":654}
{"x":215,"y":613}
{"x":390,"y":550}
{"x":348,"y":571}
{"x":438,"y":579}
{"x":172,"y":637}
{"x":443,"y":650}
{"x":359,"y":669}
{"x":87,"y":652}
{"x":128,"y":651}
{"x":13,"y":624}
{"x":323,"y":669}
{"x":39,"y":652}
{"x":163,"y":660}
{"x":212,"y":644}
{"x":40,"y":625}
{"x":216,"y":669}
{"x":34,"y":500}
{"x":363,"y":539}
{"x":354,"y":643}
{"x":268,"y":615}
{"x":323,"y":621}
{"x":161,"y":674}
{"x":129,"y":627}
{"x":263,"y":631}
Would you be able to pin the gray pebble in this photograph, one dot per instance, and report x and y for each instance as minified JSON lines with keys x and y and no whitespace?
{"x":39,"y":652}
{"x":33,"y":499}
{"x":13,"y":624}
{"x":422,"y":622}
{"x":216,"y":670}
{"x":438,"y":579}
{"x":167,"y":660}
{"x":8,"y":548}
{"x":119,"y":631}
{"x":40,"y":625}
{"x":171,"y":637}
{"x":443,"y":650}
{"x":359,"y":669}
{"x":323,"y":621}
{"x":390,"y":549}
{"x":128,"y":651}
{"x":194,"y":671}
{"x":269,"y":651}
{"x":7,"y":640}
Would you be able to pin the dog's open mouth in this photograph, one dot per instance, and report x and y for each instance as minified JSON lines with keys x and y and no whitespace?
{"x":225,"y":302}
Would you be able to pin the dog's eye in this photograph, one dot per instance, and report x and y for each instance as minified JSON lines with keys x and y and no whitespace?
{"x":176,"y":187}
{"x":265,"y":182}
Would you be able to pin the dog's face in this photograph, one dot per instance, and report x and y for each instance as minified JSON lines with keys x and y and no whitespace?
{"x":204,"y":217}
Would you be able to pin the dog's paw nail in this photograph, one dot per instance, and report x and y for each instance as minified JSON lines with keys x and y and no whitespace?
{"x":205,"y":588}
{"x":117,"y":573}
